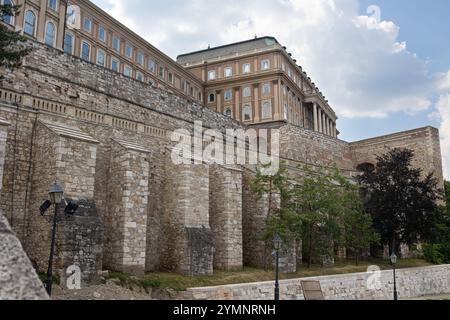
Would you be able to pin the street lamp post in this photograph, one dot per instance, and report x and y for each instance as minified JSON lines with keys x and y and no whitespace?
{"x":277,"y":242}
{"x":394,"y":262}
{"x":56,"y":194}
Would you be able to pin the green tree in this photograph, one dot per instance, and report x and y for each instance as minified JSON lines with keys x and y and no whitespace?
{"x":403,"y":205}
{"x":12,"y":44}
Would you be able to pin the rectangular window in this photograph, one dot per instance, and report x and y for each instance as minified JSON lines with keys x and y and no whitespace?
{"x":246,"y":68}
{"x":228,"y":72}
{"x":151,"y":65}
{"x":87,"y":24}
{"x":265,"y":65}
{"x":139,"y":76}
{"x":212,"y":75}
{"x":247,"y":92}
{"x":128,"y":51}
{"x":127,"y":71}
{"x":290,"y":73}
{"x":267,"y":110}
{"x":53,"y":4}
{"x":102,"y":34}
{"x":115,"y":64}
{"x":116,"y":43}
{"x":68,"y":43}
{"x":228,"y":95}
{"x":171,"y":77}
{"x":247,"y":112}
{"x":266,"y":89}
{"x":101,"y":58}
{"x":140,"y":58}
{"x":85,"y":51}
{"x":161,"y":72}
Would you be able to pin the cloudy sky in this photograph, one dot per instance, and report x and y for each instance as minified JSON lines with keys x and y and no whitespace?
{"x":384,"y":65}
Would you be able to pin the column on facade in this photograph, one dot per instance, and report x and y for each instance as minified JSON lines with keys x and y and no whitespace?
{"x":237,"y":108}
{"x":327,"y":121}
{"x":219,"y":101}
{"x":41,"y":20}
{"x":276,"y":99}
{"x":61,"y":26}
{"x":320,"y":120}
{"x":256,"y":107}
{"x":334,"y":130}
{"x":316,"y":124}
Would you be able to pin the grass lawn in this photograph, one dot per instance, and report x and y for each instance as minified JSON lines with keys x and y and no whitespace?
{"x":181,"y":283}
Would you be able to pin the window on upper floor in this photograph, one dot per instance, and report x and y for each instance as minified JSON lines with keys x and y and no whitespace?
{"x":290,"y":73}
{"x":151,"y":65}
{"x":68,"y":42}
{"x":266,"y":89}
{"x":211,"y":97}
{"x":228,"y":72}
{"x":85,"y":51}
{"x":50,"y":34}
{"x":265,"y":64}
{"x":247,"y":92}
{"x":101,"y":58}
{"x":128,"y":51}
{"x":171,"y":77}
{"x":53,"y":4}
{"x":139,"y":76}
{"x":116,"y":43}
{"x":140,"y":58}
{"x":30,"y":23}
{"x":228,"y":96}
{"x":212,"y":75}
{"x":115,"y":64}
{"x":161,"y":72}
{"x":87,"y":24}
{"x":247,"y":113}
{"x":102,"y":33}
{"x":285,"y":112}
{"x":267,"y":110}
{"x":246,"y":68}
{"x":127,"y":71}
{"x":7,"y":19}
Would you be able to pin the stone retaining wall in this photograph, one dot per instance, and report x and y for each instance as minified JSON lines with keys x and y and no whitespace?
{"x":411,"y":283}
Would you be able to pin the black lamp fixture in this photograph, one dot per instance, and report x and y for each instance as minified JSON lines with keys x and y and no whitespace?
{"x":394,"y":262}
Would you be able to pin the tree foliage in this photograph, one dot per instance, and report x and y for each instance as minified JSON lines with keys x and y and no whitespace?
{"x":403,"y":205}
{"x":12,"y":47}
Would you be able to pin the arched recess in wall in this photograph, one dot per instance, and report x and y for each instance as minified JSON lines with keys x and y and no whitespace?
{"x":365,"y":167}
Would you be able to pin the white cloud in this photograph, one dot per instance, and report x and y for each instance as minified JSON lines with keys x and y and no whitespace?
{"x":357,"y":61}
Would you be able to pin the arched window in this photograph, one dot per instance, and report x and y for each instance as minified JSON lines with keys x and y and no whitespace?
{"x":30,"y":23}
{"x":229,"y":113}
{"x":212,"y":97}
{"x":50,"y":31}
{"x":7,"y":19}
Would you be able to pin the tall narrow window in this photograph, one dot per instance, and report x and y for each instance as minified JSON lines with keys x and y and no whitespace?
{"x":50,"y":34}
{"x":285,"y":112}
{"x":151,"y":65}
{"x":116,"y":43}
{"x":228,"y":95}
{"x":101,"y":58}
{"x":247,"y":113}
{"x":68,"y":43}
{"x":7,"y":19}
{"x":139,"y":76}
{"x":211,"y":97}
{"x":140,"y":58}
{"x":246,"y":68}
{"x":128,"y":51}
{"x":87,"y":24}
{"x":212,"y":75}
{"x":266,"y":89}
{"x":247,"y":92}
{"x":85,"y":51}
{"x":265,"y":65}
{"x":30,"y":23}
{"x":161,"y":72}
{"x":102,"y":34}
{"x":115,"y":64}
{"x":267,"y":110}
{"x":52,"y":4}
{"x":228,"y":72}
{"x":127,"y":71}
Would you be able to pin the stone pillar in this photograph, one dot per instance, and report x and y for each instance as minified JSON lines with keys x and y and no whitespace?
{"x":68,"y":156}
{"x":226,"y":217}
{"x":316,"y":122}
{"x":219,"y":102}
{"x":237,"y":108}
{"x":276,"y":99}
{"x":126,"y":225}
{"x":41,"y":21}
{"x":256,"y":103}
{"x":61,"y":25}
{"x":3,"y":135}
{"x":188,"y":240}
{"x":320,"y":120}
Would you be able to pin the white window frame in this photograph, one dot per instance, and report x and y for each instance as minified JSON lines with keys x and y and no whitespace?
{"x":90,"y":24}
{"x":230,"y":95}
{"x":127,"y":67}
{"x":99,"y":52}
{"x":151,"y":65}
{"x":263,"y":116}
{"x":212,"y":75}
{"x":68,"y":33}
{"x":12,"y":20}
{"x":128,"y":45}
{"x":54,"y":33}
{"x":90,"y":50}
{"x":228,"y":72}
{"x":100,"y":27}
{"x":266,"y":89}
{"x":138,"y":55}
{"x":118,"y":64}
{"x":247,"y":89}
{"x":244,"y":68}
{"x":263,"y":62}
{"x":56,"y":5}
{"x":114,"y":37}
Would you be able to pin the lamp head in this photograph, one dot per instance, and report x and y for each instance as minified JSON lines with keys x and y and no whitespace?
{"x":277,"y":241}
{"x":56,"y":193}
{"x":393,"y":258}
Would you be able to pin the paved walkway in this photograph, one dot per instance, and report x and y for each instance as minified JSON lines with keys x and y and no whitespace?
{"x":440,"y":297}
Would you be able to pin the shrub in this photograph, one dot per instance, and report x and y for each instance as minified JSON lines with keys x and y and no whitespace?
{"x":433,"y":253}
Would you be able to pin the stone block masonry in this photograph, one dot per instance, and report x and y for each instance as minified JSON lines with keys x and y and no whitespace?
{"x":106,"y":138}
{"x":411,"y":283}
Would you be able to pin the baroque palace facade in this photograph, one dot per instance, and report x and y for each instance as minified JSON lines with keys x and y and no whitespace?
{"x":93,"y":107}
